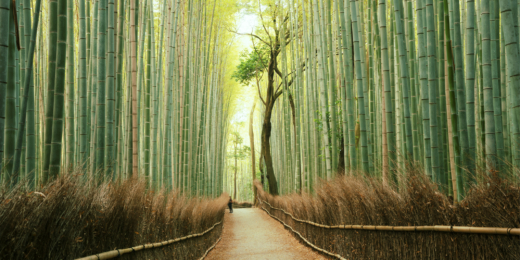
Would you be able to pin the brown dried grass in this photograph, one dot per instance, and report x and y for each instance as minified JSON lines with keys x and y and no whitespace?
{"x":348,"y":200}
{"x":70,"y":218}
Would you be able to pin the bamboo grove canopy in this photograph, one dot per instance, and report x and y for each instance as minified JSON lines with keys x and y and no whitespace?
{"x":375,"y":86}
{"x":116,"y":89}
{"x":367,"y":86}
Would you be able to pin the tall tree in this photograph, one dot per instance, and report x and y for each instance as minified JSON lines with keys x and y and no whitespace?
{"x":264,"y":59}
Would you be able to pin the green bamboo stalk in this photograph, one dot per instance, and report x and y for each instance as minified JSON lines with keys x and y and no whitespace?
{"x":490,"y":145}
{"x":495,"y":74}
{"x":513,"y":72}
{"x":405,"y":82}
{"x":10,"y":107}
{"x":459,"y":81}
{"x":365,"y":81}
{"x":51,"y":73}
{"x":98,"y":165}
{"x":147,"y":86}
{"x":28,"y":92}
{"x":26,"y":39}
{"x":423,"y":74}
{"x":470,"y":81}
{"x":170,"y":81}
{"x":133,"y":83}
{"x":323,"y":101}
{"x":347,"y":101}
{"x":359,"y":84}
{"x":158,"y":82}
{"x":331,"y":87}
{"x":443,"y":119}
{"x":118,"y":117}
{"x":59,"y":89}
{"x":433,"y":88}
{"x":69,"y":158}
{"x":93,"y":90}
{"x":457,"y":177}
{"x":413,"y":81}
{"x":128,"y":165}
{"x":140,"y":88}
{"x":82,"y":84}
{"x":110,"y":131}
{"x":390,"y":135}
{"x":5,"y":6}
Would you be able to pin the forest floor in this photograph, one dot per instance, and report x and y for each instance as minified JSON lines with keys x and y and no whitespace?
{"x":250,"y":233}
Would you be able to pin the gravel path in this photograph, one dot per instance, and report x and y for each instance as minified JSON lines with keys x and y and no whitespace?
{"x":252,"y":234}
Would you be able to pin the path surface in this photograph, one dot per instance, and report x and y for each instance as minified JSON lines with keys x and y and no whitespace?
{"x":252,"y":234}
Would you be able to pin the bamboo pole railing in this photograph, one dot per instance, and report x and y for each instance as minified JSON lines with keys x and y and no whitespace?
{"x":437,"y":228}
{"x":209,"y":249}
{"x":119,"y":252}
{"x":304,"y":239}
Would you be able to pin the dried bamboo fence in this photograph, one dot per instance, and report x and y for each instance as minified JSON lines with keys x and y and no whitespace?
{"x":303,"y":238}
{"x":119,"y":252}
{"x":454,"y":229}
{"x":67,"y":220}
{"x":414,"y":223}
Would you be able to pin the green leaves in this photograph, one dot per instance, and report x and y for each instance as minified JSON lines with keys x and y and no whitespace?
{"x":238,"y":151}
{"x":252,"y":65}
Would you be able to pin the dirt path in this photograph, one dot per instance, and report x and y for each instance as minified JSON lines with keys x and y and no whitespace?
{"x":252,"y":234}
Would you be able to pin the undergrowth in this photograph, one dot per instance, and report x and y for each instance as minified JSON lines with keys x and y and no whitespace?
{"x":69,"y":218}
{"x":348,"y":200}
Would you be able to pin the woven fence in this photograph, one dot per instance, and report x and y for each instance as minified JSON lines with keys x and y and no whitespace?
{"x":120,"y":252}
{"x":354,"y":218}
{"x":68,"y":219}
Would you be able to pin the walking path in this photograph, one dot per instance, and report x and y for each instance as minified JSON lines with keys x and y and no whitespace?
{"x":252,"y":234}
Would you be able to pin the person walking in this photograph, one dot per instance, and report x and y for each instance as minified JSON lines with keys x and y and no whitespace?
{"x":230,"y":205}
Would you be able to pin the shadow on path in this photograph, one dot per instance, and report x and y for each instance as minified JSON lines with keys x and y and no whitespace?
{"x":251,"y":234}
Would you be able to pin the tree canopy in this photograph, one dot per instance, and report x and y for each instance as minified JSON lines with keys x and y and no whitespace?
{"x":252,"y":65}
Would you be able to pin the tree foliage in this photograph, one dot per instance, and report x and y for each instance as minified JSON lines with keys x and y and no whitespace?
{"x":252,"y":65}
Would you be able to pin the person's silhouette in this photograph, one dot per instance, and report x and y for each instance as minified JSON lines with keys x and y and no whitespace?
{"x":230,"y":205}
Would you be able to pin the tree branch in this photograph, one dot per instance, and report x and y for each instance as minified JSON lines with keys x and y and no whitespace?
{"x":259,"y":55}
{"x":280,"y":91}
{"x":259,"y":92}
{"x":263,"y":25}
{"x":250,"y":34}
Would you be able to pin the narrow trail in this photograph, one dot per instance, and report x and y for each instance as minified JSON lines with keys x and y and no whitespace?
{"x":252,"y":234}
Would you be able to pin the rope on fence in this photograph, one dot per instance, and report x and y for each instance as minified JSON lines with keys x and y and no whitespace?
{"x":119,"y":252}
{"x":304,"y":239}
{"x":438,"y":228}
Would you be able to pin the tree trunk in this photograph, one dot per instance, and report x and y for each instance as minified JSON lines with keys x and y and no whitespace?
{"x":266,"y":150}
{"x":252,"y":142}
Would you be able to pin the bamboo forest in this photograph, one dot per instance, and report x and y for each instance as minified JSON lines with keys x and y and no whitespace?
{"x":260,"y":129}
